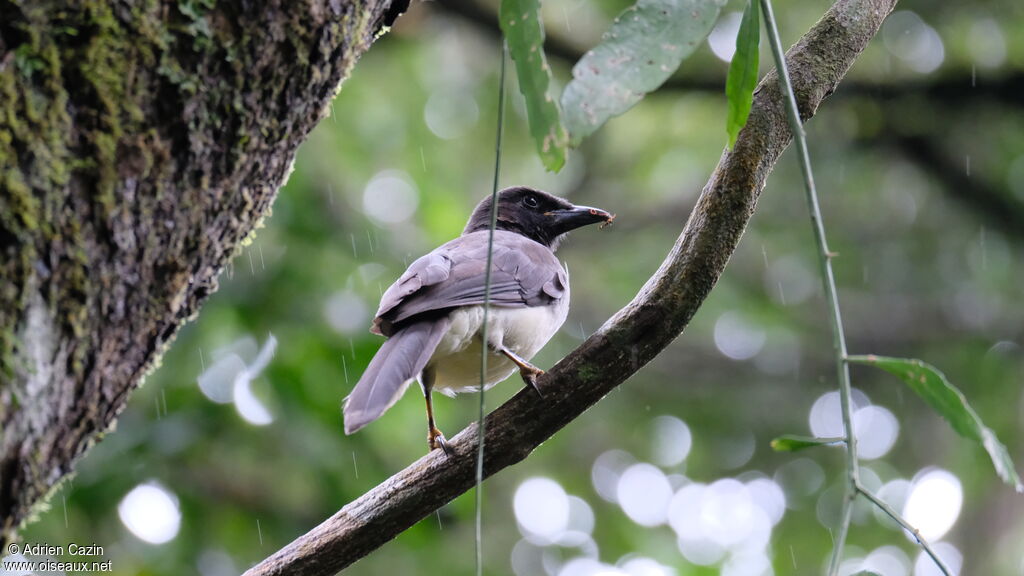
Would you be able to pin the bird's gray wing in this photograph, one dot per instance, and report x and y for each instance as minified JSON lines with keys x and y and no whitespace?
{"x":524,"y":273}
{"x":427,"y":270}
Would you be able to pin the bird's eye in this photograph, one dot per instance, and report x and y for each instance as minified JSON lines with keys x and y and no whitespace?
{"x":530,"y":201}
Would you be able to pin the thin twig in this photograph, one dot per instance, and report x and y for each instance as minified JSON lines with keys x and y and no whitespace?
{"x":483,"y":329}
{"x":825,"y":262}
{"x":853,"y":485}
{"x":892,"y":513}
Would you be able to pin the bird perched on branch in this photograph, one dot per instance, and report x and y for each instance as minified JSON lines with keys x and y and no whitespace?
{"x":433,"y":314}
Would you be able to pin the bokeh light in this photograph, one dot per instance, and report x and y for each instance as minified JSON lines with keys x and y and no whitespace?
{"x":876,"y":429}
{"x":390,"y":197}
{"x":826,"y":417}
{"x":894,"y":493}
{"x":607,"y":469}
{"x":799,"y":478}
{"x":933,"y":504}
{"x":581,"y":524}
{"x":644,"y":493}
{"x":150,"y":512}
{"x":588,"y":567}
{"x":229,"y":379}
{"x":887,"y":561}
{"x":672,"y":441}
{"x":738,"y":338}
{"x":249,"y":407}
{"x":747,"y":564}
{"x":915,"y":43}
{"x":640,"y":566}
{"x":217,"y":381}
{"x":450,"y":113}
{"x":781,"y":353}
{"x":722,"y":38}
{"x":769,"y":496}
{"x":542,"y":509}
{"x":790,"y":281}
{"x":987,"y":43}
{"x":347,"y":313}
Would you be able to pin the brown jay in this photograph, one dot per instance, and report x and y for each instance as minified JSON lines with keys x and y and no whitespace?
{"x":433,"y":314}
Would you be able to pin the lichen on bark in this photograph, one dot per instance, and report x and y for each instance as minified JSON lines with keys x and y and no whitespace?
{"x":140,"y":143}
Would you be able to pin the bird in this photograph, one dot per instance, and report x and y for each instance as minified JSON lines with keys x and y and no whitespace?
{"x":433,"y":314}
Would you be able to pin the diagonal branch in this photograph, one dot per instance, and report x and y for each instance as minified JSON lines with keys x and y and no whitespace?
{"x":626,"y":342}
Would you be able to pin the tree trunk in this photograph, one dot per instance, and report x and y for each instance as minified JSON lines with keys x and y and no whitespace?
{"x":141,"y":143}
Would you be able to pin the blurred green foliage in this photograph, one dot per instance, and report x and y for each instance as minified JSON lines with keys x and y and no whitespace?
{"x":922,"y":183}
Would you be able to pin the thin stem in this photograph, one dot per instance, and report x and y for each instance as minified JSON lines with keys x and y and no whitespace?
{"x":825,"y":262}
{"x":884,"y":507}
{"x":846,"y":514}
{"x":853,"y":485}
{"x":483,"y":330}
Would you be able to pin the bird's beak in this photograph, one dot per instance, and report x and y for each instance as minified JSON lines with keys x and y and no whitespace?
{"x":578,"y":216}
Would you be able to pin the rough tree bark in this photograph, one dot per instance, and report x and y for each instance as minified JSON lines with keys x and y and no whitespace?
{"x":141,"y":142}
{"x":627,"y":341}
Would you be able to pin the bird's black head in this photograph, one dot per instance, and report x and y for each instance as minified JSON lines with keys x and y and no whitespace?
{"x":537,"y":215}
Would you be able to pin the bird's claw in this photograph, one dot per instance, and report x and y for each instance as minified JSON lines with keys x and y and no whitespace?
{"x":530,"y":377}
{"x":436,"y":440}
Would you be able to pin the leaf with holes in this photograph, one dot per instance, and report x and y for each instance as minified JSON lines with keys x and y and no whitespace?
{"x":793,"y":443}
{"x":521,"y":24}
{"x":742,"y":79}
{"x":932,"y":386}
{"x":644,"y":46}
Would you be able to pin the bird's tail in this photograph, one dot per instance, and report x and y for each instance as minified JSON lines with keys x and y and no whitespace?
{"x":398,"y":362}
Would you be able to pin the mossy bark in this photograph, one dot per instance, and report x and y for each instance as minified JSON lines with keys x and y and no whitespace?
{"x":140,"y":143}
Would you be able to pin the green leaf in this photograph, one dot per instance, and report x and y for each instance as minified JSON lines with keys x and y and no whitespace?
{"x":739,"y":86}
{"x":644,"y":46}
{"x":931,"y":385}
{"x":521,"y":24}
{"x":793,"y":443}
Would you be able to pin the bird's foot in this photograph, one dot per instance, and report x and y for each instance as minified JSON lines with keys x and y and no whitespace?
{"x":436,"y":440}
{"x":530,"y":375}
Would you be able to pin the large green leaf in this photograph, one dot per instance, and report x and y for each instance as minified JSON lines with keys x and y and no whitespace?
{"x":521,"y":23}
{"x":742,"y":79}
{"x":793,"y":443}
{"x":644,"y":46}
{"x":931,"y":385}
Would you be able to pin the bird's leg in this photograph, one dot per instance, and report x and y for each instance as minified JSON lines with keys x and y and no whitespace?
{"x":528,"y":371}
{"x":435,"y":439}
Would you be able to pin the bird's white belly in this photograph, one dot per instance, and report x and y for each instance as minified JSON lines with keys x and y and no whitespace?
{"x":524,"y":331}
